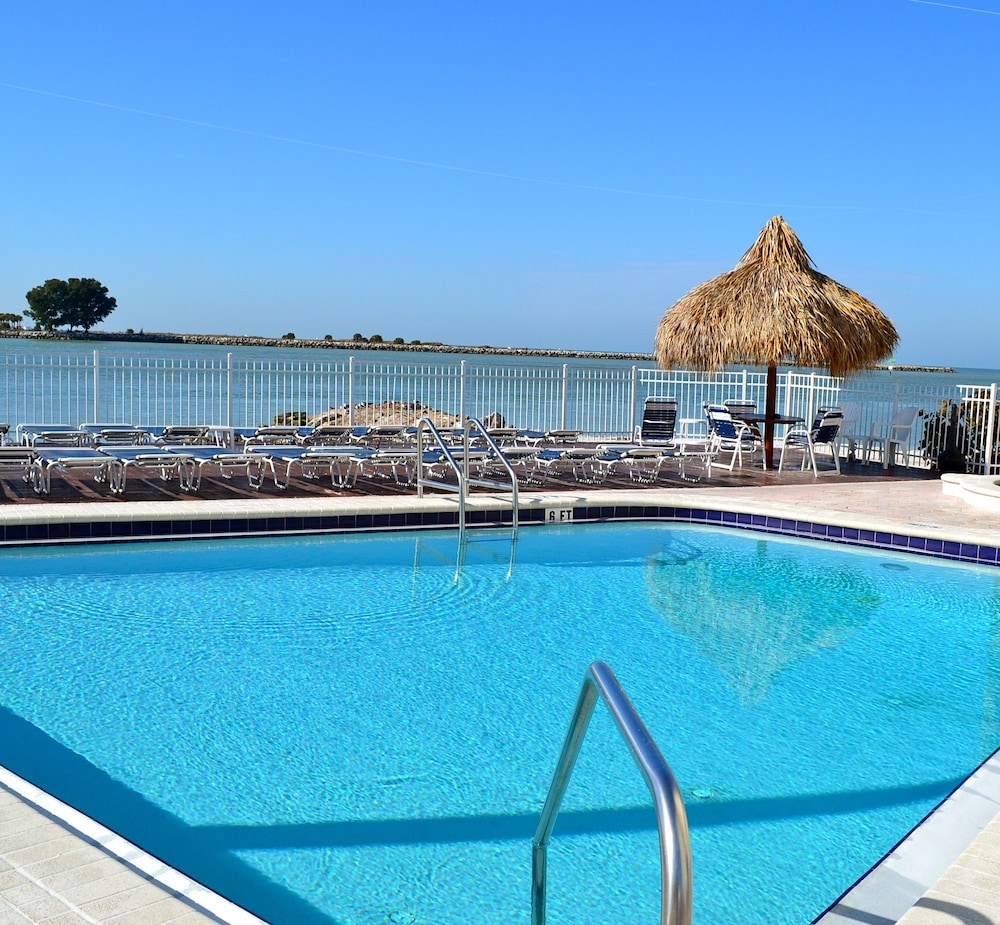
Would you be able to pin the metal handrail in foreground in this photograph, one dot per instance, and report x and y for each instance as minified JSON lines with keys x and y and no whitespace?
{"x":671,"y":819}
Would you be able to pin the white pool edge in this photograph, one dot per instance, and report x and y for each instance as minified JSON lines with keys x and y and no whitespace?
{"x":896,"y":884}
{"x":172,"y":881}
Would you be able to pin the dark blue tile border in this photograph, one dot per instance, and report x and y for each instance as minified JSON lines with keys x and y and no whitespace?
{"x":159,"y":530}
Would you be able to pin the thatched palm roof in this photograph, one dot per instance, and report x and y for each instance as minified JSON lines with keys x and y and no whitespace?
{"x":773,"y":308}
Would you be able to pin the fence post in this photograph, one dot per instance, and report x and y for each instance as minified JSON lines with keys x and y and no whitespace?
{"x":97,"y":386}
{"x":229,"y":390}
{"x":565,"y":395}
{"x":350,"y":392}
{"x":461,"y":395}
{"x":991,"y":422}
{"x":634,"y":404}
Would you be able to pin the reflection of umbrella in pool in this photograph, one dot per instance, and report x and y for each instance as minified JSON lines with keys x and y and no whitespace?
{"x":754,"y":611}
{"x":774,"y":308}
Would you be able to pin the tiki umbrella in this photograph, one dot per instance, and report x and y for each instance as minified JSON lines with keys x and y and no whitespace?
{"x":773,"y":308}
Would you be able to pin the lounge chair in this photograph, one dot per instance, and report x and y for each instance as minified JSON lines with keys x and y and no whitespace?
{"x":278,"y":435}
{"x":890,"y":436}
{"x":824,"y":432}
{"x":327,"y":435}
{"x":182,"y":435}
{"x":51,"y":435}
{"x":64,"y":460}
{"x":116,"y":434}
{"x":165,"y":463}
{"x":17,"y":460}
{"x":224,"y":460}
{"x":312,"y":462}
{"x":547,"y":437}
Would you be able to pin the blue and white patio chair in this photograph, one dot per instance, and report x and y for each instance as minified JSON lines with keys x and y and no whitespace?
{"x":727,"y":435}
{"x":659,"y":422}
{"x":824,"y":432}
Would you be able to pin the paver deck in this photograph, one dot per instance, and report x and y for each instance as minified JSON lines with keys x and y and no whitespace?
{"x":57,"y":867}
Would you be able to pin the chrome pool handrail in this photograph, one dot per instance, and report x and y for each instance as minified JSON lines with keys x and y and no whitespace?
{"x":671,"y":819}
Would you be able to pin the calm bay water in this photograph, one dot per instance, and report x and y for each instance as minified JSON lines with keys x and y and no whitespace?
{"x":961,"y":376}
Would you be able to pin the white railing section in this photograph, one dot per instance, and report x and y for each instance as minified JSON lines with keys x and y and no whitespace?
{"x":603,"y":402}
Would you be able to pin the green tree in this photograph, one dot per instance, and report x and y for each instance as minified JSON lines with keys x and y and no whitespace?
{"x":78,"y":303}
{"x":8,"y":321}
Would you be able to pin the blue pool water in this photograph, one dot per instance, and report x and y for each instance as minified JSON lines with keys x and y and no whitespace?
{"x":329,"y":730}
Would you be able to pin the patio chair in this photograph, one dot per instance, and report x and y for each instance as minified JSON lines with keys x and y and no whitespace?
{"x":727,"y":435}
{"x":659,"y":421}
{"x":894,"y":436}
{"x":737,"y":407}
{"x":849,"y":429}
{"x":826,"y":427}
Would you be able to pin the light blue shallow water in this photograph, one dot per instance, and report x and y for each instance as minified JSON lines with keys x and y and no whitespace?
{"x":327,"y":730}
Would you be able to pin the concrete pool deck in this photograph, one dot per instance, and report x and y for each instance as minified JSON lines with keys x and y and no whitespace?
{"x":60,"y":868}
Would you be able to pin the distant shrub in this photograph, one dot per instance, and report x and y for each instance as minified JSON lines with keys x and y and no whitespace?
{"x":289,"y":336}
{"x":414,"y":341}
{"x":375,"y":339}
{"x":327,"y":337}
{"x":398,"y":340}
{"x":358,"y":338}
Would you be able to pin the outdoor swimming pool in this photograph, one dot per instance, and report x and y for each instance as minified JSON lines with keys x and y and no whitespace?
{"x":327,"y":730}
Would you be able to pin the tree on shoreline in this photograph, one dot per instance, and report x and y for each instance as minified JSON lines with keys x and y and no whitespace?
{"x":79,"y":303}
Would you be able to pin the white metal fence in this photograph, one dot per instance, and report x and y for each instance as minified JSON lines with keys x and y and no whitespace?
{"x":603,"y":402}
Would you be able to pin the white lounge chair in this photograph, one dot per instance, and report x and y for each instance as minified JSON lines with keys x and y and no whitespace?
{"x":165,"y":463}
{"x":103,"y":468}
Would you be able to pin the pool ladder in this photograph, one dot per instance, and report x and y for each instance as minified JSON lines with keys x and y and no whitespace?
{"x":671,"y":819}
{"x":464,"y":480}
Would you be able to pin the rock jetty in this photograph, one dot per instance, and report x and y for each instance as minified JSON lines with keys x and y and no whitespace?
{"x":232,"y":340}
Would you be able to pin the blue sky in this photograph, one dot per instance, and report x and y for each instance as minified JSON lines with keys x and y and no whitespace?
{"x":544,"y":174}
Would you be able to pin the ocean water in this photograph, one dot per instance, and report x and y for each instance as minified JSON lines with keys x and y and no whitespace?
{"x":961,"y":376}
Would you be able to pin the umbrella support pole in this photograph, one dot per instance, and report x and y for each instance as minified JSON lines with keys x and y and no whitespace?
{"x":770,"y":400}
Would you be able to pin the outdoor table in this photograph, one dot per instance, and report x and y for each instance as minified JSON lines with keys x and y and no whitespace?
{"x":769,"y":421}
